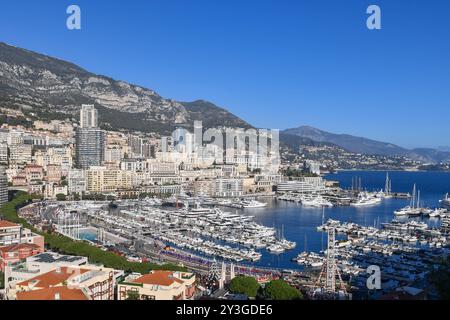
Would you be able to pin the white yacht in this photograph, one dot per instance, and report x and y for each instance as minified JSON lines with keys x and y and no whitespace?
{"x":366,"y":199}
{"x":275,"y":248}
{"x":253,"y":204}
{"x":437,"y":213}
{"x":413,"y":209}
{"x":316,"y":202}
{"x":445,"y":203}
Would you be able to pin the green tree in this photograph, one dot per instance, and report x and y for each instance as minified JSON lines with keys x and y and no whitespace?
{"x":62,"y":244}
{"x":132,"y":295}
{"x":61,"y":197}
{"x":244,"y":285}
{"x":281,"y":290}
{"x":2,"y":280}
{"x":440,"y":279}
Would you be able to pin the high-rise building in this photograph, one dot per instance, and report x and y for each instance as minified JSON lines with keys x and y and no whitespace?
{"x":134,"y":146}
{"x":3,"y":186}
{"x":89,"y":139}
{"x":3,"y":152}
{"x":88,"y":116}
{"x":90,"y":147}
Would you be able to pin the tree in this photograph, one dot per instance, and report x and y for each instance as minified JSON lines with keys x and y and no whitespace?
{"x":2,"y":280}
{"x":281,"y":290}
{"x":244,"y":285}
{"x":440,"y":279}
{"x":132,"y":295}
{"x":61,"y":197}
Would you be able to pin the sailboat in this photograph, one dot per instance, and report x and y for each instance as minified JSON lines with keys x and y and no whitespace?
{"x":387,"y":187}
{"x":413,"y":209}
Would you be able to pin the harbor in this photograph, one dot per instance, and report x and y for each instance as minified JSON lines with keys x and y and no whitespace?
{"x":269,"y":236}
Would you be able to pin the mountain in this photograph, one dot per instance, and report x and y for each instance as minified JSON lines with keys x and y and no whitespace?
{"x":52,"y":88}
{"x":367,"y":146}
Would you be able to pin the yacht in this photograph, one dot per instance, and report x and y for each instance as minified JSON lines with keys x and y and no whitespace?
{"x":274,"y":248}
{"x":445,"y":203}
{"x":253,"y":204}
{"x":316,"y":202}
{"x":413,"y":209}
{"x":439,"y":212}
{"x":365,"y":199}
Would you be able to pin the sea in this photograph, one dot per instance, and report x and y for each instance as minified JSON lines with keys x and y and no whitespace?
{"x":299,"y":224}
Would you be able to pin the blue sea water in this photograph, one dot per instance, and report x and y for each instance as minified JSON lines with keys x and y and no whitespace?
{"x":299,"y":223}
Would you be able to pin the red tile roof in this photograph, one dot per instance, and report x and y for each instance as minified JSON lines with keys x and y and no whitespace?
{"x":16,"y":247}
{"x":52,"y":278}
{"x":162,"y":278}
{"x":64,"y":293}
{"x":7,"y":224}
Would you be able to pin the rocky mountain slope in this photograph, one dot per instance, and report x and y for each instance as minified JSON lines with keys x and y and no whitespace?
{"x":53,"y":88}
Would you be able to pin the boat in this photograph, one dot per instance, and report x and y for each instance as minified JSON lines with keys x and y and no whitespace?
{"x":436,"y":213}
{"x":445,"y":203}
{"x":366,"y":199}
{"x":316,"y":202}
{"x":253,"y":204}
{"x":274,"y":248}
{"x":413,"y":209}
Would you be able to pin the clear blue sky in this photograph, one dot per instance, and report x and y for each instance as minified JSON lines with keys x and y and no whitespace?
{"x":276,"y":64}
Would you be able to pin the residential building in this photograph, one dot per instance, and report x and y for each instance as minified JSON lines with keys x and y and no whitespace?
{"x":34,"y":173}
{"x":3,"y":152}
{"x":97,"y":283}
{"x":20,"y":153}
{"x":90,"y":147}
{"x":88,"y":116}
{"x":3,"y":186}
{"x":158,"y":285}
{"x":100,"y":179}
{"x":54,"y":173}
{"x":12,"y":233}
{"x":76,"y":181}
{"x":15,"y":253}
{"x":228,"y":187}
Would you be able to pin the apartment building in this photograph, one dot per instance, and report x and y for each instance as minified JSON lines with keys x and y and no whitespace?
{"x":101,"y":179}
{"x":12,"y":233}
{"x":96,"y":283}
{"x":15,"y":253}
{"x":228,"y":187}
{"x":158,"y":285}
{"x":54,"y":173}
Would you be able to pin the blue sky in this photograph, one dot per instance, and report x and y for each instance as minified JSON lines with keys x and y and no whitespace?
{"x":276,"y":64}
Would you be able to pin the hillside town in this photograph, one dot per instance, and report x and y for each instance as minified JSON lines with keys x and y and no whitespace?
{"x":109,"y":215}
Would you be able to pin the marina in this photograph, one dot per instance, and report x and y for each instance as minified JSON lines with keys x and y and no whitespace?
{"x":278,"y":237}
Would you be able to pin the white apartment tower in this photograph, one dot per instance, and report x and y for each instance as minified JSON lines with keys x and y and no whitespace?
{"x":88,"y":116}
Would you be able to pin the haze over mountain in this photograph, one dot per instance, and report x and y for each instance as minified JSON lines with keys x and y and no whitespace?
{"x":368,"y":146}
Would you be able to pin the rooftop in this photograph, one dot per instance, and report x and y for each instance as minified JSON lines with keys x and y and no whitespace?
{"x":7,"y":224}
{"x":16,"y":247}
{"x":162,"y":278}
{"x":50,"y":257}
{"x":53,"y":278}
{"x":54,"y":293}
